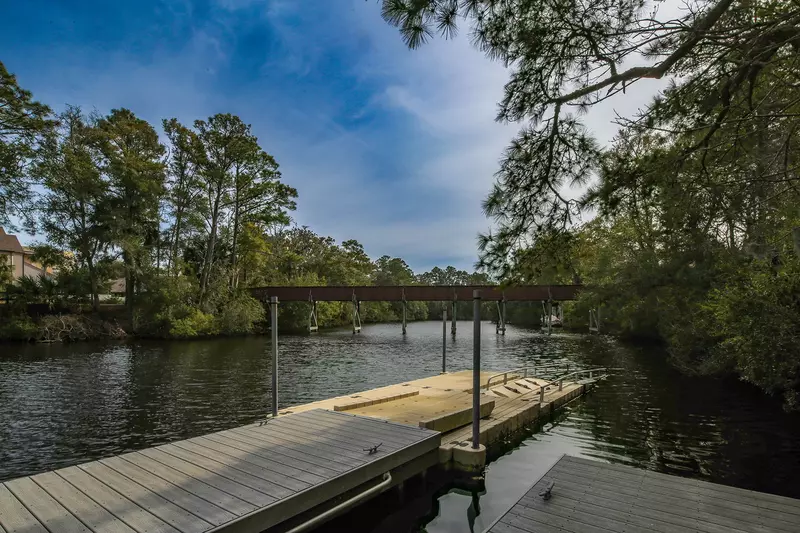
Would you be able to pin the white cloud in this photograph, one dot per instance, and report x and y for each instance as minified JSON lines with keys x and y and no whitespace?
{"x":444,"y":96}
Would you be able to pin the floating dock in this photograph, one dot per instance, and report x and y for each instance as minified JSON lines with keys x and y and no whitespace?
{"x":510,"y":401}
{"x":582,"y":496}
{"x":246,"y":479}
{"x":289,"y":473}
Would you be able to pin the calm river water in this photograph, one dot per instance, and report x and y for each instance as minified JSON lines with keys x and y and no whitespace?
{"x":61,"y":405}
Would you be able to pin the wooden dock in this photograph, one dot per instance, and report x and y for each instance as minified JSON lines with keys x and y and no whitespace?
{"x":246,"y":479}
{"x":443,"y":403}
{"x":594,"y":497}
{"x":296,"y":467}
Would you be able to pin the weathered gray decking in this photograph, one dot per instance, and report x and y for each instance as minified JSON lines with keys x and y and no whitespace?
{"x":241,"y":480}
{"x":594,"y":497}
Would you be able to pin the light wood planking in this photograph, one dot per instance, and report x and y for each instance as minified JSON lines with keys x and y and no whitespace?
{"x":47,"y":511}
{"x":593,"y":497}
{"x":15,"y":517}
{"x":84,"y":508}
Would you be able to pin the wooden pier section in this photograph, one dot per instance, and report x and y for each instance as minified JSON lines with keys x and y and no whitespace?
{"x":246,"y":479}
{"x":284,"y":471}
{"x":593,"y":497}
{"x":444,"y":403}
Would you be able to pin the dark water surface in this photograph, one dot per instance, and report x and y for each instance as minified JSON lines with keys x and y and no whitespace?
{"x":61,"y":405}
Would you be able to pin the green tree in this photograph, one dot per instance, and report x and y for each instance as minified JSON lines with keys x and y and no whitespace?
{"x":392,"y":271}
{"x":258,"y":196}
{"x":23,"y":124}
{"x":76,"y":205}
{"x":225,"y":142}
{"x":134,"y":168}
{"x":566,"y":55}
{"x":184,"y":188}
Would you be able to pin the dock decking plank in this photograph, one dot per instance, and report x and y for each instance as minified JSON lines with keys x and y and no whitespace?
{"x":252,"y":496}
{"x":402,"y":433}
{"x":47,"y":511}
{"x":234,"y":474}
{"x":396,"y":432}
{"x":179,"y":518}
{"x":593,"y":497}
{"x":292,"y":455}
{"x":653,"y":496}
{"x":337,"y":436}
{"x":317,"y":451}
{"x":739,"y":510}
{"x":197,"y":506}
{"x":84,"y":508}
{"x":256,"y":470}
{"x":339,"y":427}
{"x":15,"y":517}
{"x":335,"y":444}
{"x":645,"y":517}
{"x":687,"y":509}
{"x":268,"y":453}
{"x":218,"y":497}
{"x":357,"y":425}
{"x":113,"y":502}
{"x":264,"y":462}
{"x":306,"y":423}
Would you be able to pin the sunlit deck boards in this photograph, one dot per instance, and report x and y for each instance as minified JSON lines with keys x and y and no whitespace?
{"x":593,"y":497}
{"x":242,"y":480}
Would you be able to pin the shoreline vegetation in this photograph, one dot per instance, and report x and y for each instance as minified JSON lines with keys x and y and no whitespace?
{"x":178,"y":223}
{"x":685,"y":224}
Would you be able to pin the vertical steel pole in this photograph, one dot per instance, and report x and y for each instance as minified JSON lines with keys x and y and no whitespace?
{"x":476,"y":368}
{"x":273,"y":310}
{"x":503,"y":314}
{"x":444,"y":338}
{"x":597,"y":321}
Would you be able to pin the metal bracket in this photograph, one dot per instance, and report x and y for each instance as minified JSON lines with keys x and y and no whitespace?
{"x":501,"y":316}
{"x":356,"y":314}
{"x":403,"y":291}
{"x":312,"y":317}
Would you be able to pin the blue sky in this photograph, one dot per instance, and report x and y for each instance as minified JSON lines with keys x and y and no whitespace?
{"x":394,"y":148}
